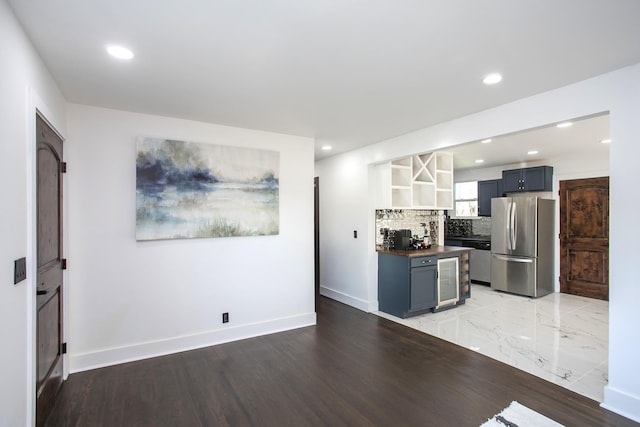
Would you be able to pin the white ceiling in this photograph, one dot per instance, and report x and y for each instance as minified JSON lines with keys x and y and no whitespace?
{"x":346,"y":72}
{"x":585,"y":135}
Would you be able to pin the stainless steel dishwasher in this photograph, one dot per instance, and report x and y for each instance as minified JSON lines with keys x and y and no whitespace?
{"x":479,"y":259}
{"x":480,"y":266}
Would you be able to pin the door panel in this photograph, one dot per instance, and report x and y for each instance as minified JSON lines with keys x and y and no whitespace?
{"x":499,"y":233}
{"x":584,"y":237}
{"x":524,"y":222}
{"x":48,"y":333}
{"x":513,"y":274}
{"x":48,"y":231}
{"x":49,"y":263}
{"x":423,"y":288}
{"x":448,"y":280}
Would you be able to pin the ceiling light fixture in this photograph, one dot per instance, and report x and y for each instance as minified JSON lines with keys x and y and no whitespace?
{"x":564,"y":125}
{"x":485,"y":141}
{"x":479,"y":161}
{"x":491,"y":79}
{"x":605,"y":141}
{"x":326,"y":147}
{"x":119,"y":52}
{"x":532,"y":152}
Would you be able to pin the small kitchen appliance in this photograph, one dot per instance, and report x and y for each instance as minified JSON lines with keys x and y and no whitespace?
{"x":402,"y":240}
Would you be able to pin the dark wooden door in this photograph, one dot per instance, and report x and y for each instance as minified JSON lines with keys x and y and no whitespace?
{"x":49,"y":264}
{"x":584,"y":237}
{"x":316,"y":237}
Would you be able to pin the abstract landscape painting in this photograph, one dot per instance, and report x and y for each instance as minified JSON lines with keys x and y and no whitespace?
{"x":189,"y":190}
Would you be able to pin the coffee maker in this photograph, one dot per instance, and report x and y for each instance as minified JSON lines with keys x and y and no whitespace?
{"x":402,"y":240}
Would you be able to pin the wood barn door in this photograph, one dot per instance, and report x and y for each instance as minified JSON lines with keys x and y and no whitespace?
{"x":584,"y":237}
{"x":49,"y":347}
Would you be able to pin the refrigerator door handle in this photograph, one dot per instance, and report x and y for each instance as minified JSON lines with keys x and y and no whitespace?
{"x":510,"y":223}
{"x":509,"y":226}
{"x":514,"y":225}
{"x":508,"y":258}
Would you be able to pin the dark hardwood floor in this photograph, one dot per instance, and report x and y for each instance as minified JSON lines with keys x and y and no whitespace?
{"x":352,"y":369}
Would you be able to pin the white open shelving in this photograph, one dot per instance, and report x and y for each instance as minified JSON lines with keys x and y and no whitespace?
{"x":422,"y":181}
{"x":401,"y":183}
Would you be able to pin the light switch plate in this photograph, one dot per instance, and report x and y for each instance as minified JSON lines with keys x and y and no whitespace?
{"x":19,"y":270}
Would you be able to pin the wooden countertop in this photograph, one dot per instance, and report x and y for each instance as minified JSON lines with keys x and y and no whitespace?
{"x":434,"y":250}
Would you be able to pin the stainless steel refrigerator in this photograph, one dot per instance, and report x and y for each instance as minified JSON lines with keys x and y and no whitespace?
{"x":522,"y":245}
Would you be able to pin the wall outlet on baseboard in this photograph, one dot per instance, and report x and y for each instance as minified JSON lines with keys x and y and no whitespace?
{"x":225,"y":317}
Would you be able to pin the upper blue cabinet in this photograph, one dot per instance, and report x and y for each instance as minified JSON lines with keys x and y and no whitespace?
{"x":539,"y":178}
{"x":487,"y":190}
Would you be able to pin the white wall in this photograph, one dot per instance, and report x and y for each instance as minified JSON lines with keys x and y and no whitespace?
{"x":118,"y":330}
{"x":345,"y":212}
{"x":617,"y":92}
{"x":130,"y":300}
{"x":25,"y":85}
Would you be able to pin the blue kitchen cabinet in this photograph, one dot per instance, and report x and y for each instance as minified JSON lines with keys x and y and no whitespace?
{"x":408,"y":285}
{"x":539,"y":178}
{"x":487,"y":190}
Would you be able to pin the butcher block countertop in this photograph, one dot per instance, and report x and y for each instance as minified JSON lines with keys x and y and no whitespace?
{"x":434,"y":250}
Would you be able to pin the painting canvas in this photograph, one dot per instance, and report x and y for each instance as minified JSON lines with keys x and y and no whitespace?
{"x":190,"y":190}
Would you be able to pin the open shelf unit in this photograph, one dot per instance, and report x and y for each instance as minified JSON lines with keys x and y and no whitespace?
{"x":401,"y":183}
{"x":422,"y":181}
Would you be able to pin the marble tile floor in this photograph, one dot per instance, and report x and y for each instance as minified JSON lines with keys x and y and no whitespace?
{"x":559,"y":337}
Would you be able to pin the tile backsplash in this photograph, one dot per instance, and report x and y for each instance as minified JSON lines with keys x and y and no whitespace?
{"x":409,"y":219}
{"x":468,"y":227}
{"x":457,"y":227}
{"x":412,"y":219}
{"x":481,"y":226}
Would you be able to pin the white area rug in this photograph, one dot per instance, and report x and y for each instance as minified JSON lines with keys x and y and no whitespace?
{"x":517,"y":415}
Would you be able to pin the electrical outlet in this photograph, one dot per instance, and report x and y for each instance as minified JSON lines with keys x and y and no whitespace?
{"x":19,"y":270}
{"x":225,"y":317}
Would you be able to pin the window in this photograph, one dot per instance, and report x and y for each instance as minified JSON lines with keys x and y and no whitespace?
{"x":466,"y":194}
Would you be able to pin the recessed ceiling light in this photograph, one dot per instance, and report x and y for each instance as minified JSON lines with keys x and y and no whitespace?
{"x":119,"y":52}
{"x":479,"y":161}
{"x":532,"y":152}
{"x":491,"y":79}
{"x":326,"y":147}
{"x":486,"y":141}
{"x":605,"y":141}
{"x":564,"y":125}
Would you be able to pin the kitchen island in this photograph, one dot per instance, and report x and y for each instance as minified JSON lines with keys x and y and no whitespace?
{"x":413,"y":282}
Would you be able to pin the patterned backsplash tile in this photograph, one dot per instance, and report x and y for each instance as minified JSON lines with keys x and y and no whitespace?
{"x":415,"y":220}
{"x":455,"y":227}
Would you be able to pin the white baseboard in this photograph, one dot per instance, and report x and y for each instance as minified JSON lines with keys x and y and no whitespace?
{"x":358,"y":303}
{"x":115,"y":356}
{"x":621,"y":403}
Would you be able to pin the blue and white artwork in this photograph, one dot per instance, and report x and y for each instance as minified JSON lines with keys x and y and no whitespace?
{"x":188,"y":190}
